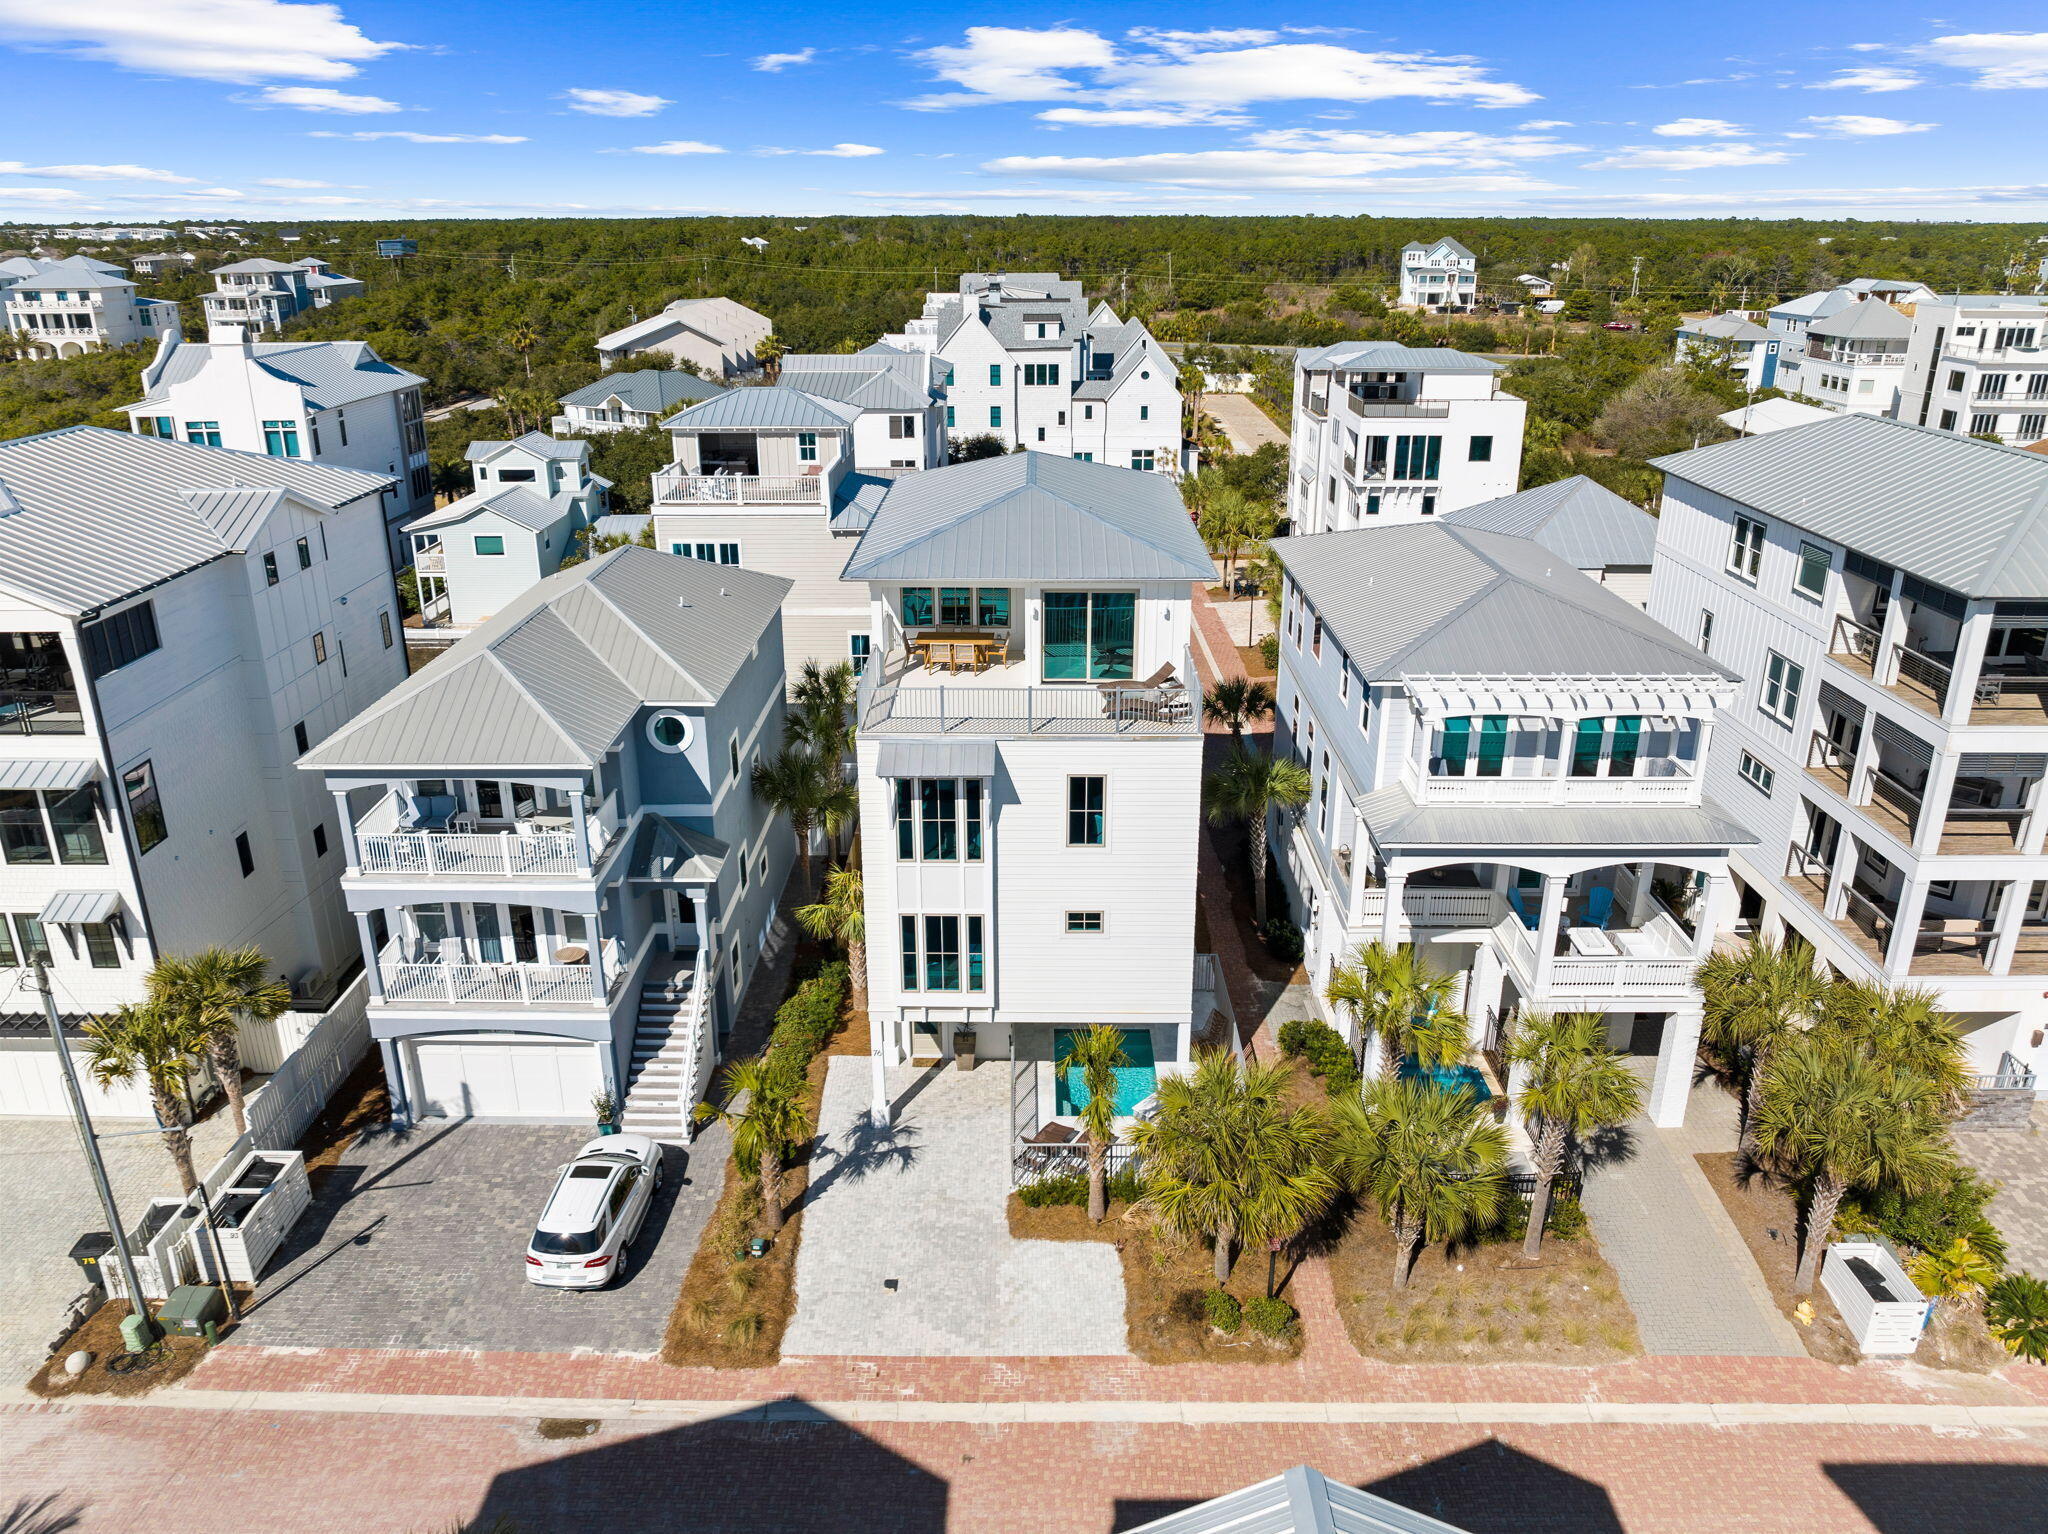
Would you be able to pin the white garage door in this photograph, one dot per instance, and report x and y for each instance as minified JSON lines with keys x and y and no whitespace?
{"x":506,"y":1079}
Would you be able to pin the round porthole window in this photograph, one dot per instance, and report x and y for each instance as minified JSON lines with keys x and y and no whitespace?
{"x":670,"y":732}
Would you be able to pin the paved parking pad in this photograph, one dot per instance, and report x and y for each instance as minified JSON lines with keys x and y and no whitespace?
{"x":418,"y":1238}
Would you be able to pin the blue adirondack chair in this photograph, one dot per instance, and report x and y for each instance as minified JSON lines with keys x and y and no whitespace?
{"x":1599,"y":907}
{"x":1515,"y":904}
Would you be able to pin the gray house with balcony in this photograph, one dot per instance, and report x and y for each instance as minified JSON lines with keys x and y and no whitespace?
{"x":558,"y":870}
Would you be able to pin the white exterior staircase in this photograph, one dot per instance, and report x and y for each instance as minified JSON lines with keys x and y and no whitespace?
{"x":671,"y":1055}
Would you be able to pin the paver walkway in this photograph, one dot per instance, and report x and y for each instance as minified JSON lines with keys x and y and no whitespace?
{"x":2017,"y":1160}
{"x":1248,"y":427}
{"x":906,"y":1251}
{"x":1680,"y":1260}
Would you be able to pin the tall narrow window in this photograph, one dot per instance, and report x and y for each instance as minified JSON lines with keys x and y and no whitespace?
{"x":938,"y":807}
{"x":34,"y":941}
{"x":1746,"y":551}
{"x":245,"y":855}
{"x":1085,"y":812}
{"x":908,"y":928}
{"x":970,"y":793}
{"x":1493,"y":745}
{"x":281,"y":439}
{"x":305,"y":555}
{"x":75,"y":826}
{"x":906,"y":818}
{"x":942,"y":953}
{"x":995,"y":377}
{"x":975,"y":968}
{"x":145,"y":809}
{"x":270,"y":569}
{"x":100,"y":949}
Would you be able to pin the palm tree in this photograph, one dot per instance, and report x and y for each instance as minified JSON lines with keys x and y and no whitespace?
{"x":821,"y":706}
{"x":1576,"y":1086}
{"x":769,"y":354}
{"x":1955,"y":1276}
{"x":1903,"y":1026}
{"x":1396,"y":998}
{"x":522,"y":338}
{"x":1225,"y":1158}
{"x":768,"y":1131}
{"x":1432,"y":1162}
{"x":1249,"y":786}
{"x":1838,"y":1119}
{"x":1756,"y":996}
{"x":809,"y":788}
{"x":1098,"y":1054}
{"x":526,"y":408}
{"x":2016,"y":1309}
{"x":160,"y":1046}
{"x":215,"y":990}
{"x":1236,"y":702}
{"x":840,"y":915}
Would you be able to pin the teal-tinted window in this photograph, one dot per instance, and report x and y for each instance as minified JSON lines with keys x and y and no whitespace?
{"x":1621,"y":757}
{"x":1089,"y":635}
{"x":942,"y":953}
{"x":906,"y":818}
{"x":970,"y":792}
{"x":909,"y":931}
{"x":1457,"y":746}
{"x":956,"y":606}
{"x":938,"y":804}
{"x":490,"y":543}
{"x":1482,"y":450}
{"x":974,"y":961}
{"x":995,"y":415}
{"x":917,"y":606}
{"x":995,"y":376}
{"x":1085,"y":812}
{"x":1586,"y":747}
{"x":1493,"y":744}
{"x":281,"y":439}
{"x":992,"y":607}
{"x":807,"y":446}
{"x":950,"y":422}
{"x":1417,"y":457}
{"x":205,"y":433}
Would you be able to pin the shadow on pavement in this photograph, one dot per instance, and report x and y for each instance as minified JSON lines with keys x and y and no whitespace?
{"x":1903,"y":1498}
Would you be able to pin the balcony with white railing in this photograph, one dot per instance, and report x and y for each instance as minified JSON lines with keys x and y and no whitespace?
{"x":1649,"y":964}
{"x":541,"y":843}
{"x":1397,"y":409}
{"x":1665,"y":781}
{"x":677,"y":487}
{"x":902,"y":696}
{"x":448,"y":974}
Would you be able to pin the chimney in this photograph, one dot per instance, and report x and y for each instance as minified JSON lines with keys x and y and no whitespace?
{"x":227,"y":335}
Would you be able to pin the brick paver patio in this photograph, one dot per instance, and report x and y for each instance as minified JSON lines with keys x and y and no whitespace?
{"x":2017,"y":1160}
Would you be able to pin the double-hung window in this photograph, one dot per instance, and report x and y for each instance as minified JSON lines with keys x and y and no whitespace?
{"x":1087,"y":819}
{"x":995,"y":378}
{"x":1782,"y":682}
{"x":1746,"y":552}
{"x":902,"y":428}
{"x":1812,"y":576}
{"x":807,"y":446}
{"x":995,"y":415}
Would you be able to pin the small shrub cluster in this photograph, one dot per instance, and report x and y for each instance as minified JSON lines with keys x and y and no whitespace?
{"x":1931,"y":1221}
{"x":1566,"y":1220}
{"x":808,"y":1019}
{"x":1328,"y":1056}
{"x":1269,"y":649}
{"x":1072,"y":1188}
{"x":1222,"y":1310}
{"x":2016,"y":1310}
{"x":1282,"y":939}
{"x":1269,"y":1317}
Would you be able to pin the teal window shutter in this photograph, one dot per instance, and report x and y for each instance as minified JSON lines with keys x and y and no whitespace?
{"x":1457,"y":746}
{"x":1621,"y":758}
{"x":1493,"y":744}
{"x":1586,"y":747}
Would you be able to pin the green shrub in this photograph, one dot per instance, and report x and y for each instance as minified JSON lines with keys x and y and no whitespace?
{"x":805,"y":1022}
{"x":1328,"y":1056}
{"x":1282,"y":939}
{"x":2016,"y":1310}
{"x":1049,"y":1192}
{"x":1269,"y":1317}
{"x":1269,"y":648}
{"x":1931,"y":1221}
{"x":1222,"y":1310}
{"x":1566,"y":1220}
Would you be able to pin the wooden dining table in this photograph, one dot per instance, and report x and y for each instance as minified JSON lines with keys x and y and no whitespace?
{"x":979,"y":648}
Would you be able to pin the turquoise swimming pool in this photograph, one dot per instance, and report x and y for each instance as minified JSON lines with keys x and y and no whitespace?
{"x":1134,"y":1082}
{"x":1448,"y":1078}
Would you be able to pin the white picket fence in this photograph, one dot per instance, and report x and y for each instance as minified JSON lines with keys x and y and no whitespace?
{"x":316,"y":1056}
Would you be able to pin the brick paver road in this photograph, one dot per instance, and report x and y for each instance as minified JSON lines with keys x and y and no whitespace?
{"x":1248,"y":427}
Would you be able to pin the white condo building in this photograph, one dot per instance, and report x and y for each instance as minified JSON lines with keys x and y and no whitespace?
{"x":1030,"y":763}
{"x":1440,"y":275}
{"x":177,"y":624}
{"x":1979,"y":364}
{"x":1883,"y":591}
{"x":262,"y":294}
{"x":1028,"y":362}
{"x":782,"y":479}
{"x":1508,"y":773}
{"x":63,"y":308}
{"x":1389,"y":433}
{"x":335,"y":402}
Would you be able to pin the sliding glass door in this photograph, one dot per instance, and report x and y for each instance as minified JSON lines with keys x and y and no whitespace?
{"x":1090,"y":636}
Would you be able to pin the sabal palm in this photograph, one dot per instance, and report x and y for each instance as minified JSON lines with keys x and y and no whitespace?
{"x":215,"y":989}
{"x":821,"y":707}
{"x":808,"y":787}
{"x":1236,"y":702}
{"x":1249,"y":786}
{"x":1575,"y":1085}
{"x":1904,"y":1026}
{"x":1395,"y":997}
{"x":1756,"y":996}
{"x":159,"y":1046}
{"x":1225,"y":1158}
{"x":840,"y":915}
{"x":523,"y":338}
{"x":1835,"y":1118}
{"x":1098,"y":1054}
{"x":775,"y":1122}
{"x":1432,"y":1162}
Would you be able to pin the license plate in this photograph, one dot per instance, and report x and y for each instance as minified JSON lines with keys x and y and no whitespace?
{"x":561,"y":1267}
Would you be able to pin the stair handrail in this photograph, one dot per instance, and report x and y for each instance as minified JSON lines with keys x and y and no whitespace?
{"x":693,"y":1041}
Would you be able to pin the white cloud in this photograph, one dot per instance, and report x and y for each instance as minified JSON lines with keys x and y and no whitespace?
{"x":677,"y":146}
{"x":1849,"y":125}
{"x":1875,"y":81}
{"x":1704,"y":157}
{"x":775,"y":63}
{"x":294,"y":184}
{"x":1543,"y":123}
{"x":612,"y":103}
{"x":1472,"y":151}
{"x":421,"y":138}
{"x":836,"y":152}
{"x":237,"y":40}
{"x":39,"y":194}
{"x":1144,"y":117}
{"x":319,"y":98}
{"x":1168,"y":41}
{"x":1193,"y":70}
{"x":91,"y":172}
{"x":1700,"y":127}
{"x":1269,"y":168}
{"x":2004,"y":61}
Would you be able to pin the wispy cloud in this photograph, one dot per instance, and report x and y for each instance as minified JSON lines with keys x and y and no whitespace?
{"x":613,"y":103}
{"x":1850,"y":125}
{"x":1876,"y":80}
{"x":1144,"y":117}
{"x":367,"y":136}
{"x":775,"y":63}
{"x":675,"y":146}
{"x":1700,"y":127}
{"x":319,"y":98}
{"x":237,"y":40}
{"x":293,"y":183}
{"x":93,"y":172}
{"x":2004,"y":61}
{"x":1702,"y":157}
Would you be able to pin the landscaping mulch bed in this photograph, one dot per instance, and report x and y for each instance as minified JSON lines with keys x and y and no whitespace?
{"x":1481,"y":1304}
{"x":174,"y":1358}
{"x":1767,"y":1214}
{"x":362,"y":1101}
{"x":1255,"y":663}
{"x":1164,"y":1281}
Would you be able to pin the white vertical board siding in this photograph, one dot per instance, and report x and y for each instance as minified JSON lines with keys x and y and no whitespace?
{"x":32,"y":1085}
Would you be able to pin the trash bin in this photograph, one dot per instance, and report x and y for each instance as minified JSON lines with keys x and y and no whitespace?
{"x":189,"y":1309}
{"x":88,"y":1250}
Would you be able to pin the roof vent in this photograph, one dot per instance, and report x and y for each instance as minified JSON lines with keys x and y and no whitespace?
{"x":9,"y":506}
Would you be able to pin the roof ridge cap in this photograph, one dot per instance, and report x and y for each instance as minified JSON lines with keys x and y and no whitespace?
{"x":491,"y":651}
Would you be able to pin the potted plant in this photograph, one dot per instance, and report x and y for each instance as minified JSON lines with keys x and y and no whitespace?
{"x":607,"y":1113}
{"x":963,"y":1048}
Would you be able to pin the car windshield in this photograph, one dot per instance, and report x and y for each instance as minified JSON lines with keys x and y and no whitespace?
{"x":565,"y":1243}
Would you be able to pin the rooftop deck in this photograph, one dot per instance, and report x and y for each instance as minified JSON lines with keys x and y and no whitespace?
{"x":901,"y":698}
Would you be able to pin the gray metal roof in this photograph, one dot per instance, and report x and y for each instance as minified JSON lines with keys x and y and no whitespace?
{"x":856,"y":499}
{"x":1870,"y":320}
{"x":554,"y":678}
{"x":669,"y":853}
{"x":770,"y":407}
{"x":330,"y":373}
{"x":79,"y":907}
{"x":1968,"y":515}
{"x":1031,"y":516}
{"x":1580,"y":521}
{"x":63,"y":274}
{"x":936,"y":759}
{"x":648,"y":390}
{"x":622,"y":524}
{"x":538,"y":443}
{"x":1769,"y":415}
{"x":56,"y":773}
{"x":1396,"y":820}
{"x":1134,"y":350}
{"x":521,"y":504}
{"x":1725,"y":327}
{"x":1297,"y":1501}
{"x":1814,"y":305}
{"x":1393,"y":357}
{"x":107,"y":513}
{"x":256,"y":264}
{"x":876,"y":379}
{"x":1434,"y":599}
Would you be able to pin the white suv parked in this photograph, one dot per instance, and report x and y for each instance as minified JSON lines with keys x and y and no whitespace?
{"x":596,"y":1209}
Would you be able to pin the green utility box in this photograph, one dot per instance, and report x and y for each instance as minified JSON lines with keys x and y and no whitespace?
{"x":190,"y":1309}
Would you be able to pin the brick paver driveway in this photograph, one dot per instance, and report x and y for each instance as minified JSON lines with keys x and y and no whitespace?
{"x":2017,"y":1160}
{"x":417,"y":1240}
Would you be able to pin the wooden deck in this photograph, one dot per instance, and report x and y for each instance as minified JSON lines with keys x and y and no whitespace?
{"x":2020,"y":703}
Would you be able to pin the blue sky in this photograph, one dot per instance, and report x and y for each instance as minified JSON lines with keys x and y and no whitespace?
{"x":127,"y":109}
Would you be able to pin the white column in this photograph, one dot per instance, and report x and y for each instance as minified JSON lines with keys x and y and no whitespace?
{"x":1967,"y":666}
{"x":1482,"y":985}
{"x":1898,"y":960}
{"x":1716,"y":912}
{"x":2011,"y":916}
{"x":1393,"y":920}
{"x":1672,"y":1084}
{"x":1639,"y":903}
{"x":1547,"y":928}
{"x":371,"y":973}
{"x":579,"y":821}
{"x":348,"y":831}
{"x":394,"y":1079}
{"x":1934,"y":800}
{"x":1841,"y":873}
{"x":2035,"y":827}
{"x":878,"y":1075}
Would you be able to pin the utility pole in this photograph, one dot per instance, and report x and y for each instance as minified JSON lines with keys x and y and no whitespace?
{"x":1635,"y":270}
{"x":92,"y":1155}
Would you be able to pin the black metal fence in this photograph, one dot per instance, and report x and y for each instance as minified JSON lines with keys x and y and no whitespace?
{"x":1042,"y":1163}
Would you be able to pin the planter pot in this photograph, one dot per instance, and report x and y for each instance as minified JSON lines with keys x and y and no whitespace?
{"x":963,"y":1050}
{"x":607,"y":1129}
